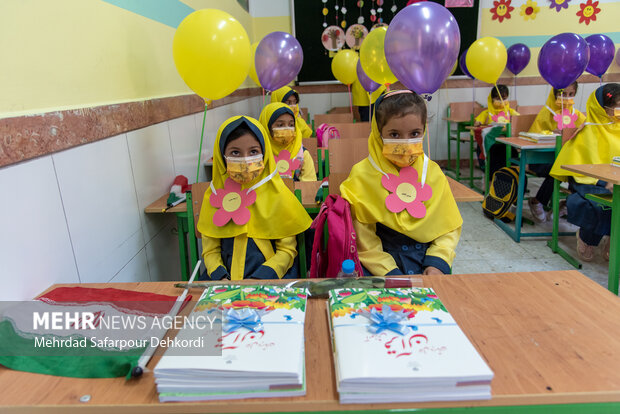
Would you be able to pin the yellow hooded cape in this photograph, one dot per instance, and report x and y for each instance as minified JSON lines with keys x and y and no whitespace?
{"x":544,"y":120}
{"x":485,"y":116}
{"x":364,"y":191}
{"x":268,"y":116}
{"x":360,"y":96}
{"x":594,"y":144}
{"x":281,"y":95}
{"x":275,"y":214}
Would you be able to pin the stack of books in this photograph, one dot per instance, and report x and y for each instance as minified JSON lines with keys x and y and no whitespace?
{"x":538,"y":138}
{"x":402,"y":345}
{"x":615,"y":161}
{"x":254,"y":348}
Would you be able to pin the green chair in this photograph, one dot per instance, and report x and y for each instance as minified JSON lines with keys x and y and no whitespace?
{"x":194,"y":203}
{"x":461,"y":115}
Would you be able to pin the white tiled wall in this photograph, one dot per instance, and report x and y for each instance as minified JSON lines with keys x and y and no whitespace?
{"x":77,"y":215}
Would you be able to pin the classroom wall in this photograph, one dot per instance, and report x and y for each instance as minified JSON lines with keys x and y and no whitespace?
{"x":548,"y":23}
{"x":68,"y":54}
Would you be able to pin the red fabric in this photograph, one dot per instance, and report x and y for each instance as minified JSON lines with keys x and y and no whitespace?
{"x":128,"y":299}
{"x":478,"y":138}
{"x":182,"y":182}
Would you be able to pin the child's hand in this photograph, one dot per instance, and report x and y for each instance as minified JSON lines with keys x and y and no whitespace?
{"x":610,"y":187}
{"x":477,"y":124}
{"x":432,"y":271}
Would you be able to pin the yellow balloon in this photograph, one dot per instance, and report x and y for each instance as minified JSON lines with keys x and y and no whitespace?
{"x":211,"y":51}
{"x":486,"y":59}
{"x":252,"y":72}
{"x":344,"y":66}
{"x":372,"y":57}
{"x":456,"y":62}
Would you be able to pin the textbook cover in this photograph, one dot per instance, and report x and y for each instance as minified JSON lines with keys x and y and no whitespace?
{"x":402,"y":345}
{"x":257,"y":347}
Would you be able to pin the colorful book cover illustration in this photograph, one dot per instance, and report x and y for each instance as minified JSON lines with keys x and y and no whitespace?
{"x":399,"y":339}
{"x":258,"y":349}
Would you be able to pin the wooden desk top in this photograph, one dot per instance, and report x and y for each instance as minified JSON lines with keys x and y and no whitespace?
{"x":605,"y":172}
{"x":160,"y":204}
{"x":457,"y":120}
{"x":549,"y":337}
{"x":521,"y":143}
{"x":463,"y":193}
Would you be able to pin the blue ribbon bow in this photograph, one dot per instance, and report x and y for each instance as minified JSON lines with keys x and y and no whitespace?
{"x":242,"y":318}
{"x":387,"y":320}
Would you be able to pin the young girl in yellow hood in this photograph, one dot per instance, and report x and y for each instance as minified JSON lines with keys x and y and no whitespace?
{"x":559,"y":108}
{"x":403,"y":211}
{"x":292,"y":159}
{"x":498,"y":112}
{"x":360,"y":99}
{"x":249,"y":218}
{"x":288,"y":96}
{"x":597,"y":143}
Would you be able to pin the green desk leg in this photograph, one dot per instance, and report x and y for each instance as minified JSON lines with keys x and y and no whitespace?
{"x":457,"y":166}
{"x":326,"y":163}
{"x":449,"y":149}
{"x":182,"y":232}
{"x":319,"y":163}
{"x":301,"y":247}
{"x":614,"y":241}
{"x":191,"y":233}
{"x":555,"y":206}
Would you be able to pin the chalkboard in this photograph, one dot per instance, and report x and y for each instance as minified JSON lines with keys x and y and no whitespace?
{"x":309,"y":27}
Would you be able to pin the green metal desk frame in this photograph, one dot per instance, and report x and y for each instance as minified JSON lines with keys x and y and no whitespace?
{"x":460,"y":128}
{"x":527,"y":156}
{"x":555,"y":207}
{"x":581,"y":408}
{"x":613,"y":202}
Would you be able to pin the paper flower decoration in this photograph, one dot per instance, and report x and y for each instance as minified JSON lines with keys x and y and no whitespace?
{"x":501,"y":117}
{"x":559,"y":4}
{"x":588,"y":12}
{"x":501,"y":10}
{"x":529,"y":10}
{"x":566,"y":119}
{"x":407,"y":192}
{"x":232,"y":203}
{"x":285,"y":165}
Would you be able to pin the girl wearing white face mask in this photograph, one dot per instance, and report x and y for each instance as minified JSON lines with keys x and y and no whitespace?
{"x":292,"y":159}
{"x":249,"y":218}
{"x":403,"y":211}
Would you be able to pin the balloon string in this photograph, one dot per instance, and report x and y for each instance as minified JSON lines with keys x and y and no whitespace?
{"x":202,"y":133}
{"x":350,"y":99}
{"x":263,"y":97}
{"x":502,"y":100}
{"x":428,"y":138}
{"x":515,"y":87}
{"x":369,"y":107}
{"x":561,"y":109}
{"x":473,"y":95}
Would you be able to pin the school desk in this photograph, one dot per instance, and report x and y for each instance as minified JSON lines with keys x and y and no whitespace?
{"x":461,"y":114}
{"x":611,"y":174}
{"x":462,"y":193}
{"x":551,"y":338}
{"x":529,"y":153}
{"x":180,"y":210}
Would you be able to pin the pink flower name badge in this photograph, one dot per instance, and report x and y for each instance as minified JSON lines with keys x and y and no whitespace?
{"x":501,"y":117}
{"x":407,"y":192}
{"x":232,"y":203}
{"x":285,"y":165}
{"x":566,"y":119}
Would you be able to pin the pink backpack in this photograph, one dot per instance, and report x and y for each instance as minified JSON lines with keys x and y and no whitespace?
{"x":324,"y":133}
{"x":341,"y":244}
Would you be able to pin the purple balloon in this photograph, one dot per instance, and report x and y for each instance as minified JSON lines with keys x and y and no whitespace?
{"x":563,"y":59}
{"x":463,"y":65}
{"x":278,"y":60}
{"x":368,"y":84}
{"x":602,"y":51}
{"x":421,"y":45}
{"x":518,"y":58}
